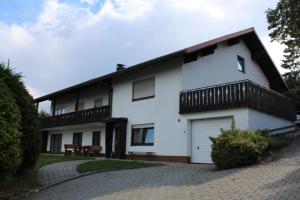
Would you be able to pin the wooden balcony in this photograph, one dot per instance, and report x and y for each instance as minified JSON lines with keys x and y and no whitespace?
{"x":236,"y":95}
{"x":80,"y":117}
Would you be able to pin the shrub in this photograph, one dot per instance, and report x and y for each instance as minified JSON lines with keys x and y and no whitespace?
{"x":277,"y":142}
{"x":10,"y":152}
{"x":236,"y":147}
{"x":30,"y":126}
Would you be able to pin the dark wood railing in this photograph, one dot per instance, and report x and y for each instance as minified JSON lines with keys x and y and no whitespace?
{"x":80,"y":117}
{"x":234,"y":95}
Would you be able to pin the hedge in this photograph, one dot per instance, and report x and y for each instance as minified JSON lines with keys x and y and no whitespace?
{"x":10,"y":153}
{"x":29,"y":125}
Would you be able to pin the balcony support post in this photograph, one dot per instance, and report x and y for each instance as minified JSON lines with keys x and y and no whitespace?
{"x":77,"y":100}
{"x":110,"y":95}
{"x":53,"y":106}
{"x":37,"y":106}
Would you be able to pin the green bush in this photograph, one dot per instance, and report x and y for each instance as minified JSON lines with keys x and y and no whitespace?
{"x":277,"y":142}
{"x":30,"y":126}
{"x":10,"y":152}
{"x":236,"y":147}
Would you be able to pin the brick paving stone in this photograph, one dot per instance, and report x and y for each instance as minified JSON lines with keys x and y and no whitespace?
{"x":279,"y":179}
{"x":58,"y":171}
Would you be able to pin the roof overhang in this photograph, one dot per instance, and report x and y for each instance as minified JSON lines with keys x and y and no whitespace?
{"x":249,"y":36}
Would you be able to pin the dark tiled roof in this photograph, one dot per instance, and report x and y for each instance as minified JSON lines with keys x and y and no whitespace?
{"x":249,"y":36}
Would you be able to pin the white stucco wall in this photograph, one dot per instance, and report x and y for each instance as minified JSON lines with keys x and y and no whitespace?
{"x":221,"y":67}
{"x":87,"y":136}
{"x":162,"y":110}
{"x":260,"y":120}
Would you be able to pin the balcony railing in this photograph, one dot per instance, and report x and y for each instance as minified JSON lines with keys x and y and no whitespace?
{"x":235,"y":95}
{"x":79,"y":117}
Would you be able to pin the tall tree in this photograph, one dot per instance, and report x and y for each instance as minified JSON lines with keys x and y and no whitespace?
{"x":284,"y":24}
{"x":30,"y":126}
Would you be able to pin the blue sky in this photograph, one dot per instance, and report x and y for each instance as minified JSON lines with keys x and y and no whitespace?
{"x":57,"y":43}
{"x":22,"y":11}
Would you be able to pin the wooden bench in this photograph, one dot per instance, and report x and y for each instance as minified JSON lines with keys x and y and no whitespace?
{"x":94,"y":150}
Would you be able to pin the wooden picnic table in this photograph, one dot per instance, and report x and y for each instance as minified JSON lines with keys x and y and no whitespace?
{"x":72,"y":149}
{"x":77,"y":150}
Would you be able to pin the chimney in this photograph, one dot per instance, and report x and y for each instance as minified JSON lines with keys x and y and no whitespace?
{"x":120,"y":67}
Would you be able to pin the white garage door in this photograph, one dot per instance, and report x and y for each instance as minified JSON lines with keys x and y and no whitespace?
{"x":201,"y":130}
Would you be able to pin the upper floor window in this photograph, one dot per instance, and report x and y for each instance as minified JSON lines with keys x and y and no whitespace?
{"x":98,"y":102}
{"x":59,"y":111}
{"x":80,"y":106}
{"x":142,"y":134}
{"x":241,"y":64}
{"x":143,"y":89}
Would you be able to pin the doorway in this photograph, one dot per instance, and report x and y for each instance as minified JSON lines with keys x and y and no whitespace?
{"x":115,"y":138}
{"x":55,"y":143}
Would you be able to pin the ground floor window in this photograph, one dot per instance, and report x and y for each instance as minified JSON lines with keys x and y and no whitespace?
{"x":96,"y":138}
{"x":77,"y":138}
{"x":142,"y":135}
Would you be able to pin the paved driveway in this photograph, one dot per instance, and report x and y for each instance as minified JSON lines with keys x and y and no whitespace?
{"x":279,"y":179}
{"x":59,"y":171}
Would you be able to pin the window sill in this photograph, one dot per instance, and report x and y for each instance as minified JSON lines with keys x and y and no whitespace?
{"x":143,"y":98}
{"x":148,"y":144}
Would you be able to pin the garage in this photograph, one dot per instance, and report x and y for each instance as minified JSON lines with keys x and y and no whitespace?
{"x":201,"y":131}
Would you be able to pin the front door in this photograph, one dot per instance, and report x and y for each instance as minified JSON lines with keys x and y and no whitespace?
{"x":119,"y":129}
{"x":44,"y":141}
{"x":55,"y":143}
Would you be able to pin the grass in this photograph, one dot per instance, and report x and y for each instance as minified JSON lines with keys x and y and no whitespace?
{"x":18,"y":185}
{"x":45,"y":159}
{"x":26,"y":182}
{"x":108,"y":165}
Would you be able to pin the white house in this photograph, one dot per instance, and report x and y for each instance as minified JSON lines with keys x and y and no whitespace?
{"x":167,"y":107}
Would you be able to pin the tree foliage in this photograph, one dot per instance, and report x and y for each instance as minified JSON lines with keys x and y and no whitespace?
{"x":284,"y":23}
{"x":29,"y":126}
{"x":293,"y":81}
{"x":10,"y":153}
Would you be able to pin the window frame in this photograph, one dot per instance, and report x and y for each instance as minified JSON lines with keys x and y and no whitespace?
{"x":142,"y":98}
{"x":60,"y":110}
{"x":98,"y":99}
{"x":83,"y":103}
{"x":243,"y":65}
{"x":147,"y":126}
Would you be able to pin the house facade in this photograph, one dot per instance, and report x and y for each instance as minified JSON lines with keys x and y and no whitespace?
{"x":166,"y":108}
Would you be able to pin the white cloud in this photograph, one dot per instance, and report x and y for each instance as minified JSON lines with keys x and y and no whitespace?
{"x":125,"y":9}
{"x":90,"y":2}
{"x":211,"y":8}
{"x":60,"y":18}
{"x":67,"y":43}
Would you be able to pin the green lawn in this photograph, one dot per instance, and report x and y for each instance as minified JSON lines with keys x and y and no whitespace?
{"x":46,"y":159}
{"x":107,"y":165}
